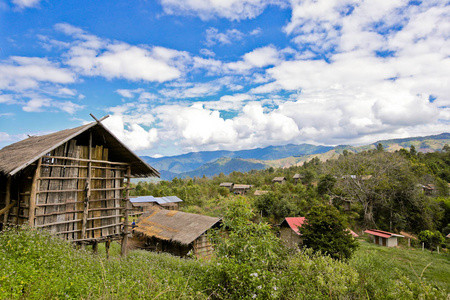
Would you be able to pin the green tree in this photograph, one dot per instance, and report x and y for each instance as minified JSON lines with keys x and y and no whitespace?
{"x":326,"y":230}
{"x":431,"y":239}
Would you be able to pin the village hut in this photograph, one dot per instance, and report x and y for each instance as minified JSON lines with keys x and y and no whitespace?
{"x":228,"y":185}
{"x":142,"y":203}
{"x":298,"y":177}
{"x":73,"y":183}
{"x":384,"y":238}
{"x":290,"y":231}
{"x":280,"y":180}
{"x":175,"y":232}
{"x":241,"y":189}
{"x":260,"y":192}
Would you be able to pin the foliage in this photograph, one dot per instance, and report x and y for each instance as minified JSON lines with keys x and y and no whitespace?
{"x":431,"y":239}
{"x":326,"y":231}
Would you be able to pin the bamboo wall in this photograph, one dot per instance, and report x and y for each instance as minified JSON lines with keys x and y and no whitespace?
{"x":73,"y":192}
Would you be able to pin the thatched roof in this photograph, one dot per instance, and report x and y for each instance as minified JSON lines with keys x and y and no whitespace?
{"x":18,"y":156}
{"x":279,"y":179}
{"x":172,"y":225}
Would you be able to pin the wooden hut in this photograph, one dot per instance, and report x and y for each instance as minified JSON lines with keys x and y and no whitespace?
{"x":228,"y":185}
{"x":298,"y":177}
{"x":241,"y":189}
{"x":72,"y":183}
{"x":175,"y":232}
{"x":260,"y":192}
{"x":280,"y":180}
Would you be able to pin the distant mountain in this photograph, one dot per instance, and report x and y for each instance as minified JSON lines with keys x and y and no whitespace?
{"x":191,"y":161}
{"x":224,"y":165}
{"x":210,"y":163}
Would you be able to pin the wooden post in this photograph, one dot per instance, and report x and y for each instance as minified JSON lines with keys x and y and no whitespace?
{"x":8,"y":199}
{"x":107,"y":244}
{"x":95,"y":248}
{"x":87,"y":191}
{"x":34,"y":189}
{"x":423,"y":246}
{"x":123,"y":251}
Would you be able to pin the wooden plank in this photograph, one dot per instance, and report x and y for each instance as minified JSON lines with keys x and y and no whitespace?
{"x":88,"y":189}
{"x":55,"y":223}
{"x":104,"y":217}
{"x":64,"y":212}
{"x":7,"y":208}
{"x":81,"y":196}
{"x":101,"y":227}
{"x":94,"y":160}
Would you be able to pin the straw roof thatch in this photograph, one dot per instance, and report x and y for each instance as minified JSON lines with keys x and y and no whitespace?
{"x":172,"y":225}
{"x":16,"y":157}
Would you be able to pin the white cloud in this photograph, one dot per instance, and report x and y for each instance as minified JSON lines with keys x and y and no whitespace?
{"x":26,"y":3}
{"x":131,"y":133}
{"x":258,"y":58}
{"x":230,"y":9}
{"x":213,"y":36}
{"x":93,"y":56}
{"x":22,"y":73}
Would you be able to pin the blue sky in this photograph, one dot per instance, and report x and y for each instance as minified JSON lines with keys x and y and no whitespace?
{"x":177,"y":76}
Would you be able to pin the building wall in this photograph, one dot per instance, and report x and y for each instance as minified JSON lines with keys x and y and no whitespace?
{"x":289,"y":238}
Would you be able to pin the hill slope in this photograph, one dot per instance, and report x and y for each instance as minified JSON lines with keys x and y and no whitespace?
{"x":210,"y":163}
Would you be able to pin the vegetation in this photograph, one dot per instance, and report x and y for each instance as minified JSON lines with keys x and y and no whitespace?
{"x":385,"y":190}
{"x":326,"y":231}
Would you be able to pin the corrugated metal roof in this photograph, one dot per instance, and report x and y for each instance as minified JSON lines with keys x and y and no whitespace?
{"x":159,"y":200}
{"x":381,"y":233}
{"x":295,"y":223}
{"x":174,"y":225}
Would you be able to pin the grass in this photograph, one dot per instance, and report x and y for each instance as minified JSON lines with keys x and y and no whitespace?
{"x":414,"y":263}
{"x":36,"y":265}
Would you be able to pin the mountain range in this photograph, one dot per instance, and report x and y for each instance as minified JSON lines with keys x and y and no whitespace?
{"x":210,"y":163}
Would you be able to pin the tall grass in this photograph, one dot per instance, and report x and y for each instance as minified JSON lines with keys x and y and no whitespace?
{"x":36,"y":265}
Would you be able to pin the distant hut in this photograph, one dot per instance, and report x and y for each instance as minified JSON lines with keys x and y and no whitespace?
{"x":176,"y":232}
{"x":280,"y":180}
{"x":241,"y":189}
{"x":228,"y":185}
{"x":298,"y":177}
{"x":71,"y":183}
{"x":384,"y":238}
{"x":260,"y":192}
{"x":290,"y":231}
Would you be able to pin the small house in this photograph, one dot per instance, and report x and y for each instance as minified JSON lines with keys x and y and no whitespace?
{"x":228,"y":185}
{"x":290,"y":231}
{"x":175,"y":232}
{"x":73,"y":183}
{"x":141,"y":203}
{"x":241,"y":189}
{"x":298,"y":177}
{"x":384,"y":238}
{"x":280,"y":180}
{"x":260,"y":192}
{"x":429,"y":189}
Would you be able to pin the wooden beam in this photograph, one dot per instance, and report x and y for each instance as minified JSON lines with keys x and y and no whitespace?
{"x":7,"y":208}
{"x":88,"y":160}
{"x":124,"y":245}
{"x":34,"y":190}
{"x":87,"y":190}
{"x":7,"y":200}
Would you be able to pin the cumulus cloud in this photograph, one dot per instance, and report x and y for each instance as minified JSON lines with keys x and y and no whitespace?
{"x":207,"y":9}
{"x":22,"y":73}
{"x":131,"y":133}
{"x":94,"y":56}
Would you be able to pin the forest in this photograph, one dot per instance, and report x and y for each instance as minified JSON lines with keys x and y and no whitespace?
{"x":396,"y":191}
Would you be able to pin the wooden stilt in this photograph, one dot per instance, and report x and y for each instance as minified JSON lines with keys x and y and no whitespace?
{"x":34,"y":189}
{"x":95,"y":248}
{"x":8,"y":200}
{"x":107,"y":244}
{"x":125,"y":221}
{"x":87,"y":192}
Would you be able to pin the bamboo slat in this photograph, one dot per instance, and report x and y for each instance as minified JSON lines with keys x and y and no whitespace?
{"x":93,"y":160}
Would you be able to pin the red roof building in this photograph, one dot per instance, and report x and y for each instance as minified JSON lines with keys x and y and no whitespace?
{"x":384,"y":238}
